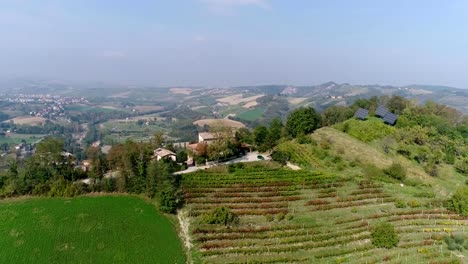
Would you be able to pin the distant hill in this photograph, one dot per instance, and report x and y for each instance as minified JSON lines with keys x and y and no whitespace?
{"x":330,"y":93}
{"x":320,"y":96}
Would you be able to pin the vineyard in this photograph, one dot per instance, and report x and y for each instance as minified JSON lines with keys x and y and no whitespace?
{"x":312,"y":217}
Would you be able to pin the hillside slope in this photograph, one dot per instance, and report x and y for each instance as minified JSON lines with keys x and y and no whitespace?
{"x":314,"y":217}
{"x":351,"y":150}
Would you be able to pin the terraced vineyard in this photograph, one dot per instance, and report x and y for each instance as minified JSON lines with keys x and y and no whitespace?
{"x":310,"y":217}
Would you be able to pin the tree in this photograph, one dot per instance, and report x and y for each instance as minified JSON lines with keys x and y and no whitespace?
{"x":260,"y":135}
{"x":244,"y":135}
{"x":384,"y":236}
{"x":459,"y":201}
{"x":181,"y":156}
{"x":370,"y":104}
{"x":396,"y":104}
{"x":157,"y":140}
{"x":336,"y":114}
{"x":170,"y":198}
{"x":220,"y":216}
{"x":281,"y":157}
{"x":275,"y":130}
{"x":303,"y":121}
{"x":396,"y":171}
{"x":50,"y":149}
{"x":224,"y":146}
{"x":99,"y":164}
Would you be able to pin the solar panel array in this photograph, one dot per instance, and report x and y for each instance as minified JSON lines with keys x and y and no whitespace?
{"x":381,"y":111}
{"x":361,"y":113}
{"x":390,"y":118}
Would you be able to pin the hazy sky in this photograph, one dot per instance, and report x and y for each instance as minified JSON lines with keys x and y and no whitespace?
{"x":236,"y":42}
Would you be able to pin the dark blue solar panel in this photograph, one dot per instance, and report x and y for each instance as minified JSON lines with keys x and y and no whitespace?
{"x":390,"y":118}
{"x":381,"y":111}
{"x":361,"y":113}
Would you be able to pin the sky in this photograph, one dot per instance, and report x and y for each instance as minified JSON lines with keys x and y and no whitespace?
{"x":236,"y":42}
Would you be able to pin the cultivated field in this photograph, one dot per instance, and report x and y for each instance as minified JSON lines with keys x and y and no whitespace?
{"x":148,"y":108}
{"x":310,"y":217}
{"x":28,"y":120}
{"x":239,"y":98}
{"x":186,"y":91}
{"x":121,"y":130}
{"x":222,"y":122}
{"x":296,"y":100}
{"x":252,"y":114}
{"x":108,"y":229}
{"x":14,"y":138}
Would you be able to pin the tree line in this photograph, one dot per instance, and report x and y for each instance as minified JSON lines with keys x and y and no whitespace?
{"x":127,"y":168}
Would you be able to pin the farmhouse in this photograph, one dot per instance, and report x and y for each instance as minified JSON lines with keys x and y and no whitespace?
{"x":207,"y":137}
{"x":161,"y":153}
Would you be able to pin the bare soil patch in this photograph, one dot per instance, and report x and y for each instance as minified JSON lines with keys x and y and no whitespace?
{"x":148,"y":108}
{"x":186,"y":91}
{"x":238,"y":98}
{"x":29,"y":120}
{"x":223,"y":122}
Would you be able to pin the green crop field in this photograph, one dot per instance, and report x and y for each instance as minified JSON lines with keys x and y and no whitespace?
{"x":105,"y":229}
{"x":14,"y":138}
{"x":120,"y":131}
{"x":252,"y":115}
{"x":314,"y":217}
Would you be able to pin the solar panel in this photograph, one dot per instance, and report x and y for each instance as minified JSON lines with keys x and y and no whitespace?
{"x":361,"y":113}
{"x":381,"y":111}
{"x":390,"y":118}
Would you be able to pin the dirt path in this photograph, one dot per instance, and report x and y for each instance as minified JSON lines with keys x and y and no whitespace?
{"x":184,"y":221}
{"x":292,"y":166}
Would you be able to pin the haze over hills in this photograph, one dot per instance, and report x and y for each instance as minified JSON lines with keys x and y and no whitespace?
{"x":320,"y":95}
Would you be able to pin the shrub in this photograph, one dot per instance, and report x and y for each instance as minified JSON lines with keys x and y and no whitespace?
{"x":280,"y":217}
{"x":400,"y":204}
{"x":462,"y":166}
{"x":354,"y":163}
{"x":231,"y":168}
{"x":220,"y":216}
{"x":304,"y":139}
{"x":340,"y":151}
{"x":289,"y":217}
{"x":425,"y":195}
{"x":396,"y":171}
{"x":372,"y":171}
{"x":384,"y":236}
{"x":170,"y":198}
{"x":41,"y":189}
{"x":325,"y":143}
{"x":432,"y":169}
{"x":281,"y":157}
{"x":459,"y":201}
{"x":109,"y":185}
{"x":269,"y":218}
{"x":454,"y":242}
{"x":413,"y":204}
{"x":435,"y":203}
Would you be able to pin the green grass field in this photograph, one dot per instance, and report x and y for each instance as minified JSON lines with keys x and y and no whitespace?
{"x":87,"y":108}
{"x":105,"y":229}
{"x":252,"y":115}
{"x":120,"y":131}
{"x":14,"y":138}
